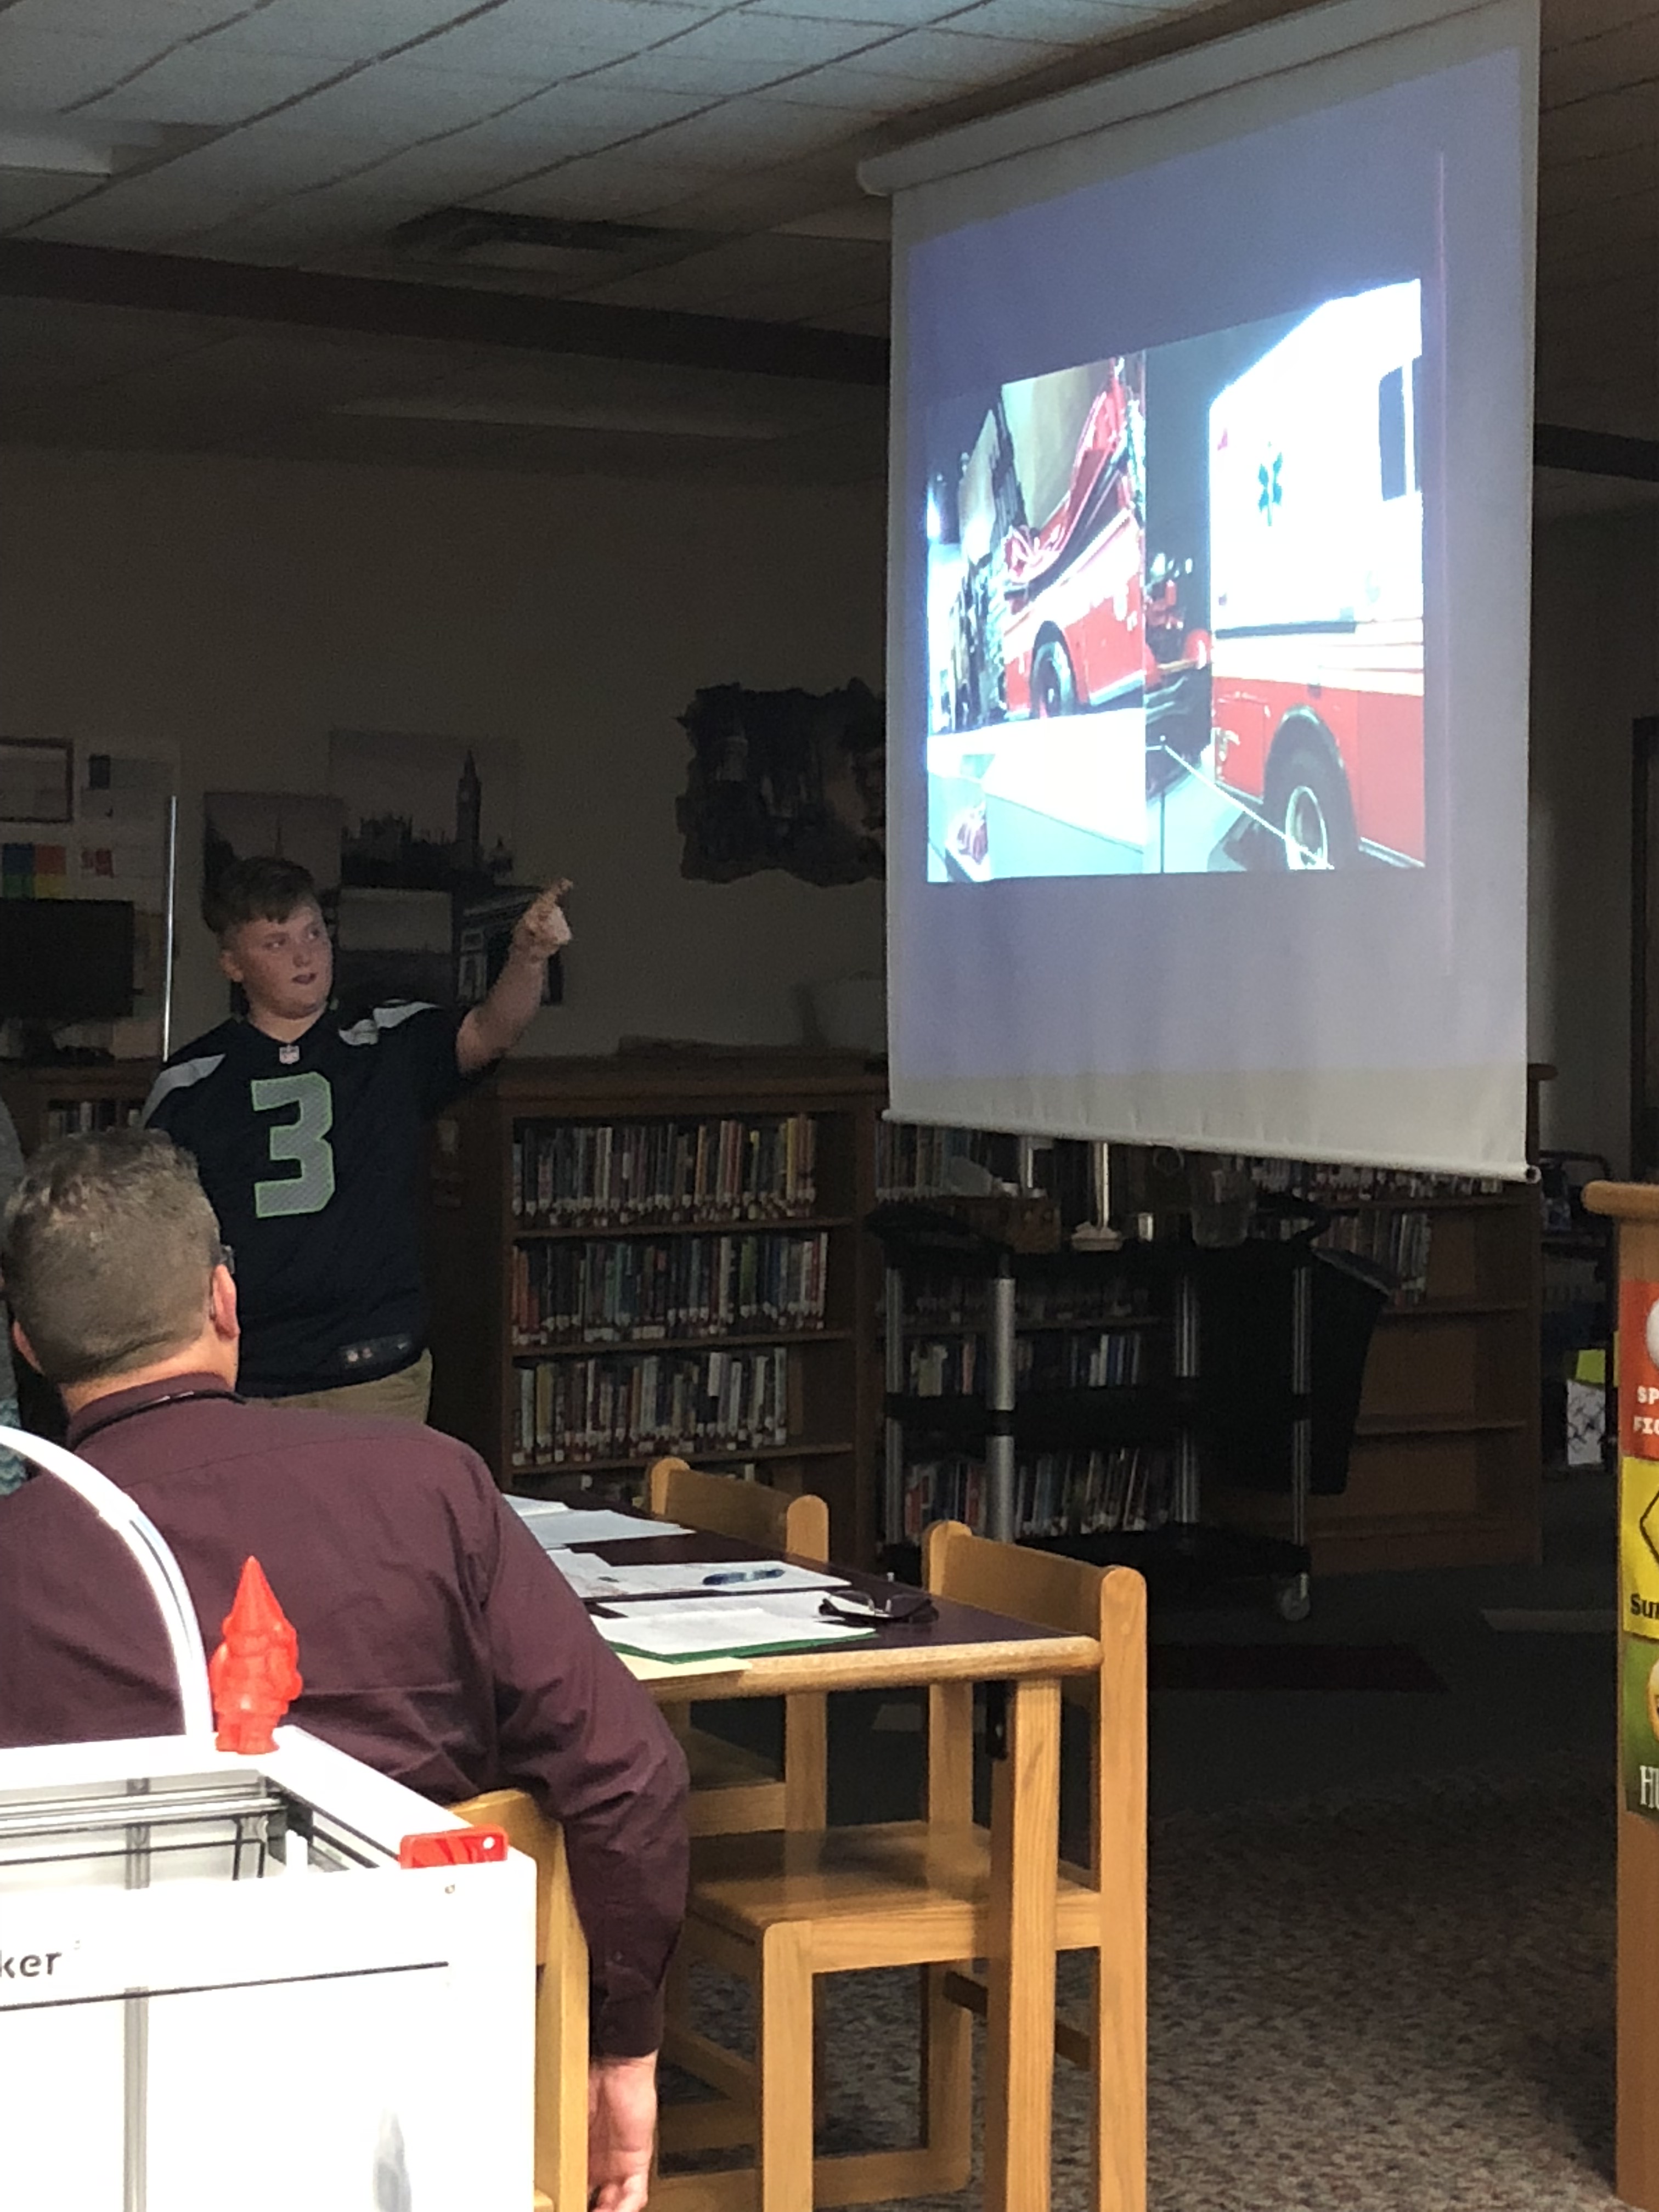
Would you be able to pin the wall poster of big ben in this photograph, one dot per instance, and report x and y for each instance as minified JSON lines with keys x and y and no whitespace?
{"x":427,"y":837}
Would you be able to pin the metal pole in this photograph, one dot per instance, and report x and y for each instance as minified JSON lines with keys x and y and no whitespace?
{"x":1302,"y":1387}
{"x":1000,"y":1405}
{"x":1184,"y":1503}
{"x":892,"y":1509}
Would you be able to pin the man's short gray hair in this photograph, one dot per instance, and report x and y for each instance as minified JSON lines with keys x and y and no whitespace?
{"x":107,"y":1248}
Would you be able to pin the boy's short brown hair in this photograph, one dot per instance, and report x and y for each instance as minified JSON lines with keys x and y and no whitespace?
{"x":261,"y":889}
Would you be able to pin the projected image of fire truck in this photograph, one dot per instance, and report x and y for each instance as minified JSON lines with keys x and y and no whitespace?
{"x":1317,"y":587}
{"x":1071,"y":626}
{"x":1035,"y":624}
{"x":1043,"y":616}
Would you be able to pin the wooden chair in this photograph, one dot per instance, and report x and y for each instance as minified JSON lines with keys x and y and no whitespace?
{"x":561,"y":2143}
{"x":780,"y":1910}
{"x":734,"y":1791}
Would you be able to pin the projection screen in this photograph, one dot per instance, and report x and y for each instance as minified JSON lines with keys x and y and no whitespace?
{"x":1209,"y":578}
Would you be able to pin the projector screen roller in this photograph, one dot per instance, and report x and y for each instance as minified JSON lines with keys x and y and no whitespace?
{"x":1210,"y":578}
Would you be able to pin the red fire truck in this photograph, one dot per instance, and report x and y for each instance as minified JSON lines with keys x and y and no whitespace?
{"x":1073,"y":629}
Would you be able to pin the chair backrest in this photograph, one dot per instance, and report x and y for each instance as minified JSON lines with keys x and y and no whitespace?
{"x":520,"y":1820}
{"x":726,"y":1505}
{"x":1108,"y":1603}
{"x":561,"y":2125}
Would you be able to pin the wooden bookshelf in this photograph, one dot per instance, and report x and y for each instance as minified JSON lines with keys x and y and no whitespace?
{"x":668,"y":1247}
{"x":51,"y":1102}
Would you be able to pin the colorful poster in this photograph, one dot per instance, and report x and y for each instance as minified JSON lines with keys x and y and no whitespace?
{"x":1639,"y":1608}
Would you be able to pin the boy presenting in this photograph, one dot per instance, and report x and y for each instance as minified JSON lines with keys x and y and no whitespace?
{"x":307,"y":1134}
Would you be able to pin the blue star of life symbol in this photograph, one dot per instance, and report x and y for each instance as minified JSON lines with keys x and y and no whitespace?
{"x":1272,"y":493}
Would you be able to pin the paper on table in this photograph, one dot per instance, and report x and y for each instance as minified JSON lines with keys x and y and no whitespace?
{"x":664,"y":1629}
{"x":593,"y":1578}
{"x":554,"y":1525}
{"x":667,"y":1670}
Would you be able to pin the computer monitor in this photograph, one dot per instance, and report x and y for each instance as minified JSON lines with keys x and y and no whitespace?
{"x":65,"y":960}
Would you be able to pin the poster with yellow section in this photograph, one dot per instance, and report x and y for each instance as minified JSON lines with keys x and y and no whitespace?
{"x":1638,"y":1620}
{"x":1638,"y":1547}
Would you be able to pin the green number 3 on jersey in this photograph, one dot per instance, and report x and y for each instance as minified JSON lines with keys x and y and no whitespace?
{"x":304,"y":1139}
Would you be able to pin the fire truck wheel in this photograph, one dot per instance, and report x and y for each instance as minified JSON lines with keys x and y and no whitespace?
{"x":1053,"y":687}
{"x":1308,"y":804}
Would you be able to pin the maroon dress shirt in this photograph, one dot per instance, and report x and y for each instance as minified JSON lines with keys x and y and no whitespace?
{"x":437,"y":1641}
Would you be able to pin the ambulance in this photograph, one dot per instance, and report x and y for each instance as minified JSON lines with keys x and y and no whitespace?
{"x":1316,"y":585}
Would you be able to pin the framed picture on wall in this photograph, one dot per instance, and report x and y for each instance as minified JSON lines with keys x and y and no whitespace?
{"x":36,"y":779}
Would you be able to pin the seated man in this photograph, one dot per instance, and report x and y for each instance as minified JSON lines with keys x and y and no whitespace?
{"x":437,"y":1641}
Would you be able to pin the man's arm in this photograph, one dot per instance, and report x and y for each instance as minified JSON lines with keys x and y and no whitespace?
{"x":622,"y":2132}
{"x":575,"y":1729}
{"x":496,"y":1026}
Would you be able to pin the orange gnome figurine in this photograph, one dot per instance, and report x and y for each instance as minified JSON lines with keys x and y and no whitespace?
{"x":254,"y":1675}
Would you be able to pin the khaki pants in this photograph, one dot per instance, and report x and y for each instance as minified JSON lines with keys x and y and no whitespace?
{"x":404,"y":1396}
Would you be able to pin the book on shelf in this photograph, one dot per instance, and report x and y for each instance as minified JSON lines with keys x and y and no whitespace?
{"x":1075,"y":1493}
{"x":1335,"y":1182}
{"x":913,"y":1159}
{"x":623,"y":1407}
{"x":1084,"y":1301}
{"x":82,"y":1118}
{"x":638,"y":1289}
{"x":577,"y":1174}
{"x":1397,"y":1239}
{"x":1049,"y":1359}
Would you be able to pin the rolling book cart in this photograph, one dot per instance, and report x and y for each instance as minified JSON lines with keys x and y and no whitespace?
{"x":1124,"y":1374}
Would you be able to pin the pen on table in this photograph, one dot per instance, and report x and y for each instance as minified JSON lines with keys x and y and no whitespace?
{"x":742,"y":1575}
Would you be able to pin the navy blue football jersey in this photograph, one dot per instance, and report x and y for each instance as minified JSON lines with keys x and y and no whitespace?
{"x":308,"y":1152}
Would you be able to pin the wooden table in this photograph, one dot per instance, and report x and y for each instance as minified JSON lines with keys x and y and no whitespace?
{"x":1021,"y":1738}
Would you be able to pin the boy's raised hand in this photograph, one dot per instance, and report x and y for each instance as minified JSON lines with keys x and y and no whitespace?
{"x":543,"y":929}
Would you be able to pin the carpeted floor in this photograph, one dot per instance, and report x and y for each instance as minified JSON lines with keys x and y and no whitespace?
{"x":1388,"y":2000}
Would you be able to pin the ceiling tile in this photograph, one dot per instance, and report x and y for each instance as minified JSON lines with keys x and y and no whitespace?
{"x":352,"y":30}
{"x":594,"y":112}
{"x":704,"y":77}
{"x":152,"y":213}
{"x":1599,"y":64}
{"x":613,"y":185}
{"x":896,"y":14}
{"x":786,"y":42}
{"x":46,"y":71}
{"x":553,"y":41}
{"x":854,"y":84}
{"x":25,"y":199}
{"x":1066,"y":22}
{"x":1623,"y":118}
{"x":206,"y":82}
{"x":397,"y":102}
{"x":349,"y":218}
{"x":1565,"y":21}
{"x":273,"y":157}
{"x":156,"y":23}
{"x":743,"y":133}
{"x":947,"y":60}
